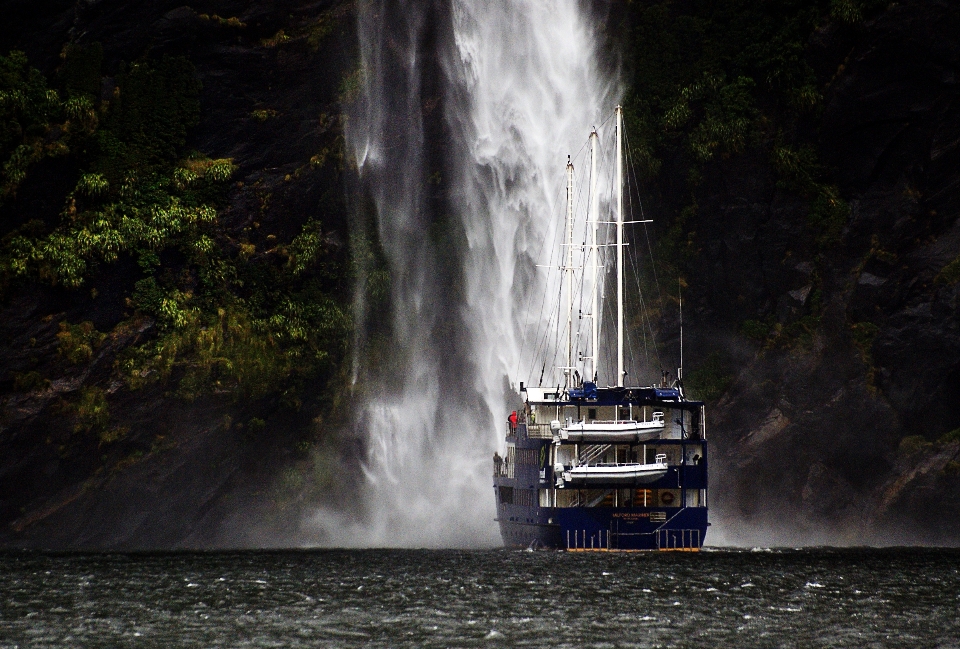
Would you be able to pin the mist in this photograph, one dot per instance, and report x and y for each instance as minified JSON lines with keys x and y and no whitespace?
{"x":519,"y":86}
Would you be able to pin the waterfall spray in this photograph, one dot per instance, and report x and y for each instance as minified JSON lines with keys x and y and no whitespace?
{"x":519,"y":82}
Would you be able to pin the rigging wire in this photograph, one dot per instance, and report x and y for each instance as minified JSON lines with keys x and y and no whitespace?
{"x":635,"y":262}
{"x":540,"y":319}
{"x":578,"y":331}
{"x":646,"y":231}
{"x":542,"y":344}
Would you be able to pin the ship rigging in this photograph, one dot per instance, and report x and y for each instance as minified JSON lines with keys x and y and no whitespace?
{"x":586,"y":467}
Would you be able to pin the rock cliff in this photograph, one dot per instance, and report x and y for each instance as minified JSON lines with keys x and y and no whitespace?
{"x":808,"y":196}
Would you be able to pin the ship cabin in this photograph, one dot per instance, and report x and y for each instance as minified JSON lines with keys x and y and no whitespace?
{"x":620,"y":447}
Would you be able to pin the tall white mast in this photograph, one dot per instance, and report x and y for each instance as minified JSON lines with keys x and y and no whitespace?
{"x":619,"y":181}
{"x":594,"y":221}
{"x":569,"y":272}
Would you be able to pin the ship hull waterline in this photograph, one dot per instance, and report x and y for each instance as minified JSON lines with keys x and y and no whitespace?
{"x":609,"y":530}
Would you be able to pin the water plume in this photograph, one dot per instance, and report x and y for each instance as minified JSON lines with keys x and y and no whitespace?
{"x":519,"y":85}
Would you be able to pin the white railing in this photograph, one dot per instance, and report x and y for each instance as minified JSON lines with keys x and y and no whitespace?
{"x":585,"y":540}
{"x":503,"y":467}
{"x":539,"y":431}
{"x":592,"y":453}
{"x":678,"y":539}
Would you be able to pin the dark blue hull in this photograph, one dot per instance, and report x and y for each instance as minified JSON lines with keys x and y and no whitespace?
{"x":607,"y":528}
{"x":538,"y":507}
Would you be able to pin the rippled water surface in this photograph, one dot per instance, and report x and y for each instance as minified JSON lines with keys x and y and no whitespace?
{"x":392,"y":598}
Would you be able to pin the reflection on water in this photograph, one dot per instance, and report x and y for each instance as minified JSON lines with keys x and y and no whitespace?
{"x":387,"y":598}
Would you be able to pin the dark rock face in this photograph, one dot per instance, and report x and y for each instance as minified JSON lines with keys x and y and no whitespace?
{"x":187,"y":474}
{"x":809,"y":434}
{"x":836,"y":436}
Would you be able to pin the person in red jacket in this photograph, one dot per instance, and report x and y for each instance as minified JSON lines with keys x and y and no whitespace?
{"x":513,"y":420}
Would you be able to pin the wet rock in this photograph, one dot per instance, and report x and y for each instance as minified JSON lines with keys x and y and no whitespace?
{"x":178,"y":473}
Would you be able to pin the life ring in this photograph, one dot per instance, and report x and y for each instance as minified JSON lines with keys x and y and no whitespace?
{"x":666,"y":498}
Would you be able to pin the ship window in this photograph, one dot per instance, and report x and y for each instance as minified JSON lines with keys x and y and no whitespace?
{"x":568,"y":498}
{"x":506,"y":495}
{"x":525,"y":497}
{"x":528,"y":456}
{"x":667,"y":498}
{"x":545,"y":498}
{"x":643,"y":498}
{"x":591,"y":413}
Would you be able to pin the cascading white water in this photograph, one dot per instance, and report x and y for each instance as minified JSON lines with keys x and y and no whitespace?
{"x":534,"y":89}
{"x":521,"y":87}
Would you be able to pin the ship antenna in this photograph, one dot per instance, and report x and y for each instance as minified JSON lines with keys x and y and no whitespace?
{"x":569,"y":272}
{"x":594,"y":220}
{"x":620,"y":374}
{"x":680,"y":296}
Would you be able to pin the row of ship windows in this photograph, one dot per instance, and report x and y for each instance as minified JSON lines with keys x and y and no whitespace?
{"x":675,"y":455}
{"x":602,"y":497}
{"x":522,"y":497}
{"x":524,"y":456}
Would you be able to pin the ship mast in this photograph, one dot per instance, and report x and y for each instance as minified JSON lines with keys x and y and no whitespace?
{"x":594,"y":221}
{"x":619,"y":181}
{"x":569,"y":271}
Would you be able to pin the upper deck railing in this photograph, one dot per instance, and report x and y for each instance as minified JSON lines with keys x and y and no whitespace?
{"x":534,"y":431}
{"x":539,"y":431}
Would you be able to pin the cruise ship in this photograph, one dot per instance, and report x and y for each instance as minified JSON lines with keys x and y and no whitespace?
{"x":593,"y":468}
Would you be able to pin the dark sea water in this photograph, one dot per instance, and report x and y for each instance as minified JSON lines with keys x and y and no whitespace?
{"x":418,"y":598}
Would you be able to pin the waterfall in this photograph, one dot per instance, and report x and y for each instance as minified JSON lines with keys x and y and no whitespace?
{"x":510,"y":87}
{"x":533,"y":89}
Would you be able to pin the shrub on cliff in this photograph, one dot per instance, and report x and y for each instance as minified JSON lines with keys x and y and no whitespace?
{"x":226,"y":319}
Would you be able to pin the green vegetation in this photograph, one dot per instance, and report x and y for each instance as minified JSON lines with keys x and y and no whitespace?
{"x":263,"y":114}
{"x":918,"y":445}
{"x":774,"y":335}
{"x":222,"y":315}
{"x":863,"y":334}
{"x":91,"y":410}
{"x":756,"y":330}
{"x":313,"y":32}
{"x":29,"y":111}
{"x":78,"y":342}
{"x":853,"y":11}
{"x":232,"y":21}
{"x":29,"y":381}
{"x":950,"y":437}
{"x":913,"y":444}
{"x":704,"y":74}
{"x":801,"y":172}
{"x":950,"y":274}
{"x":714,"y":80}
{"x":710,"y":379}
